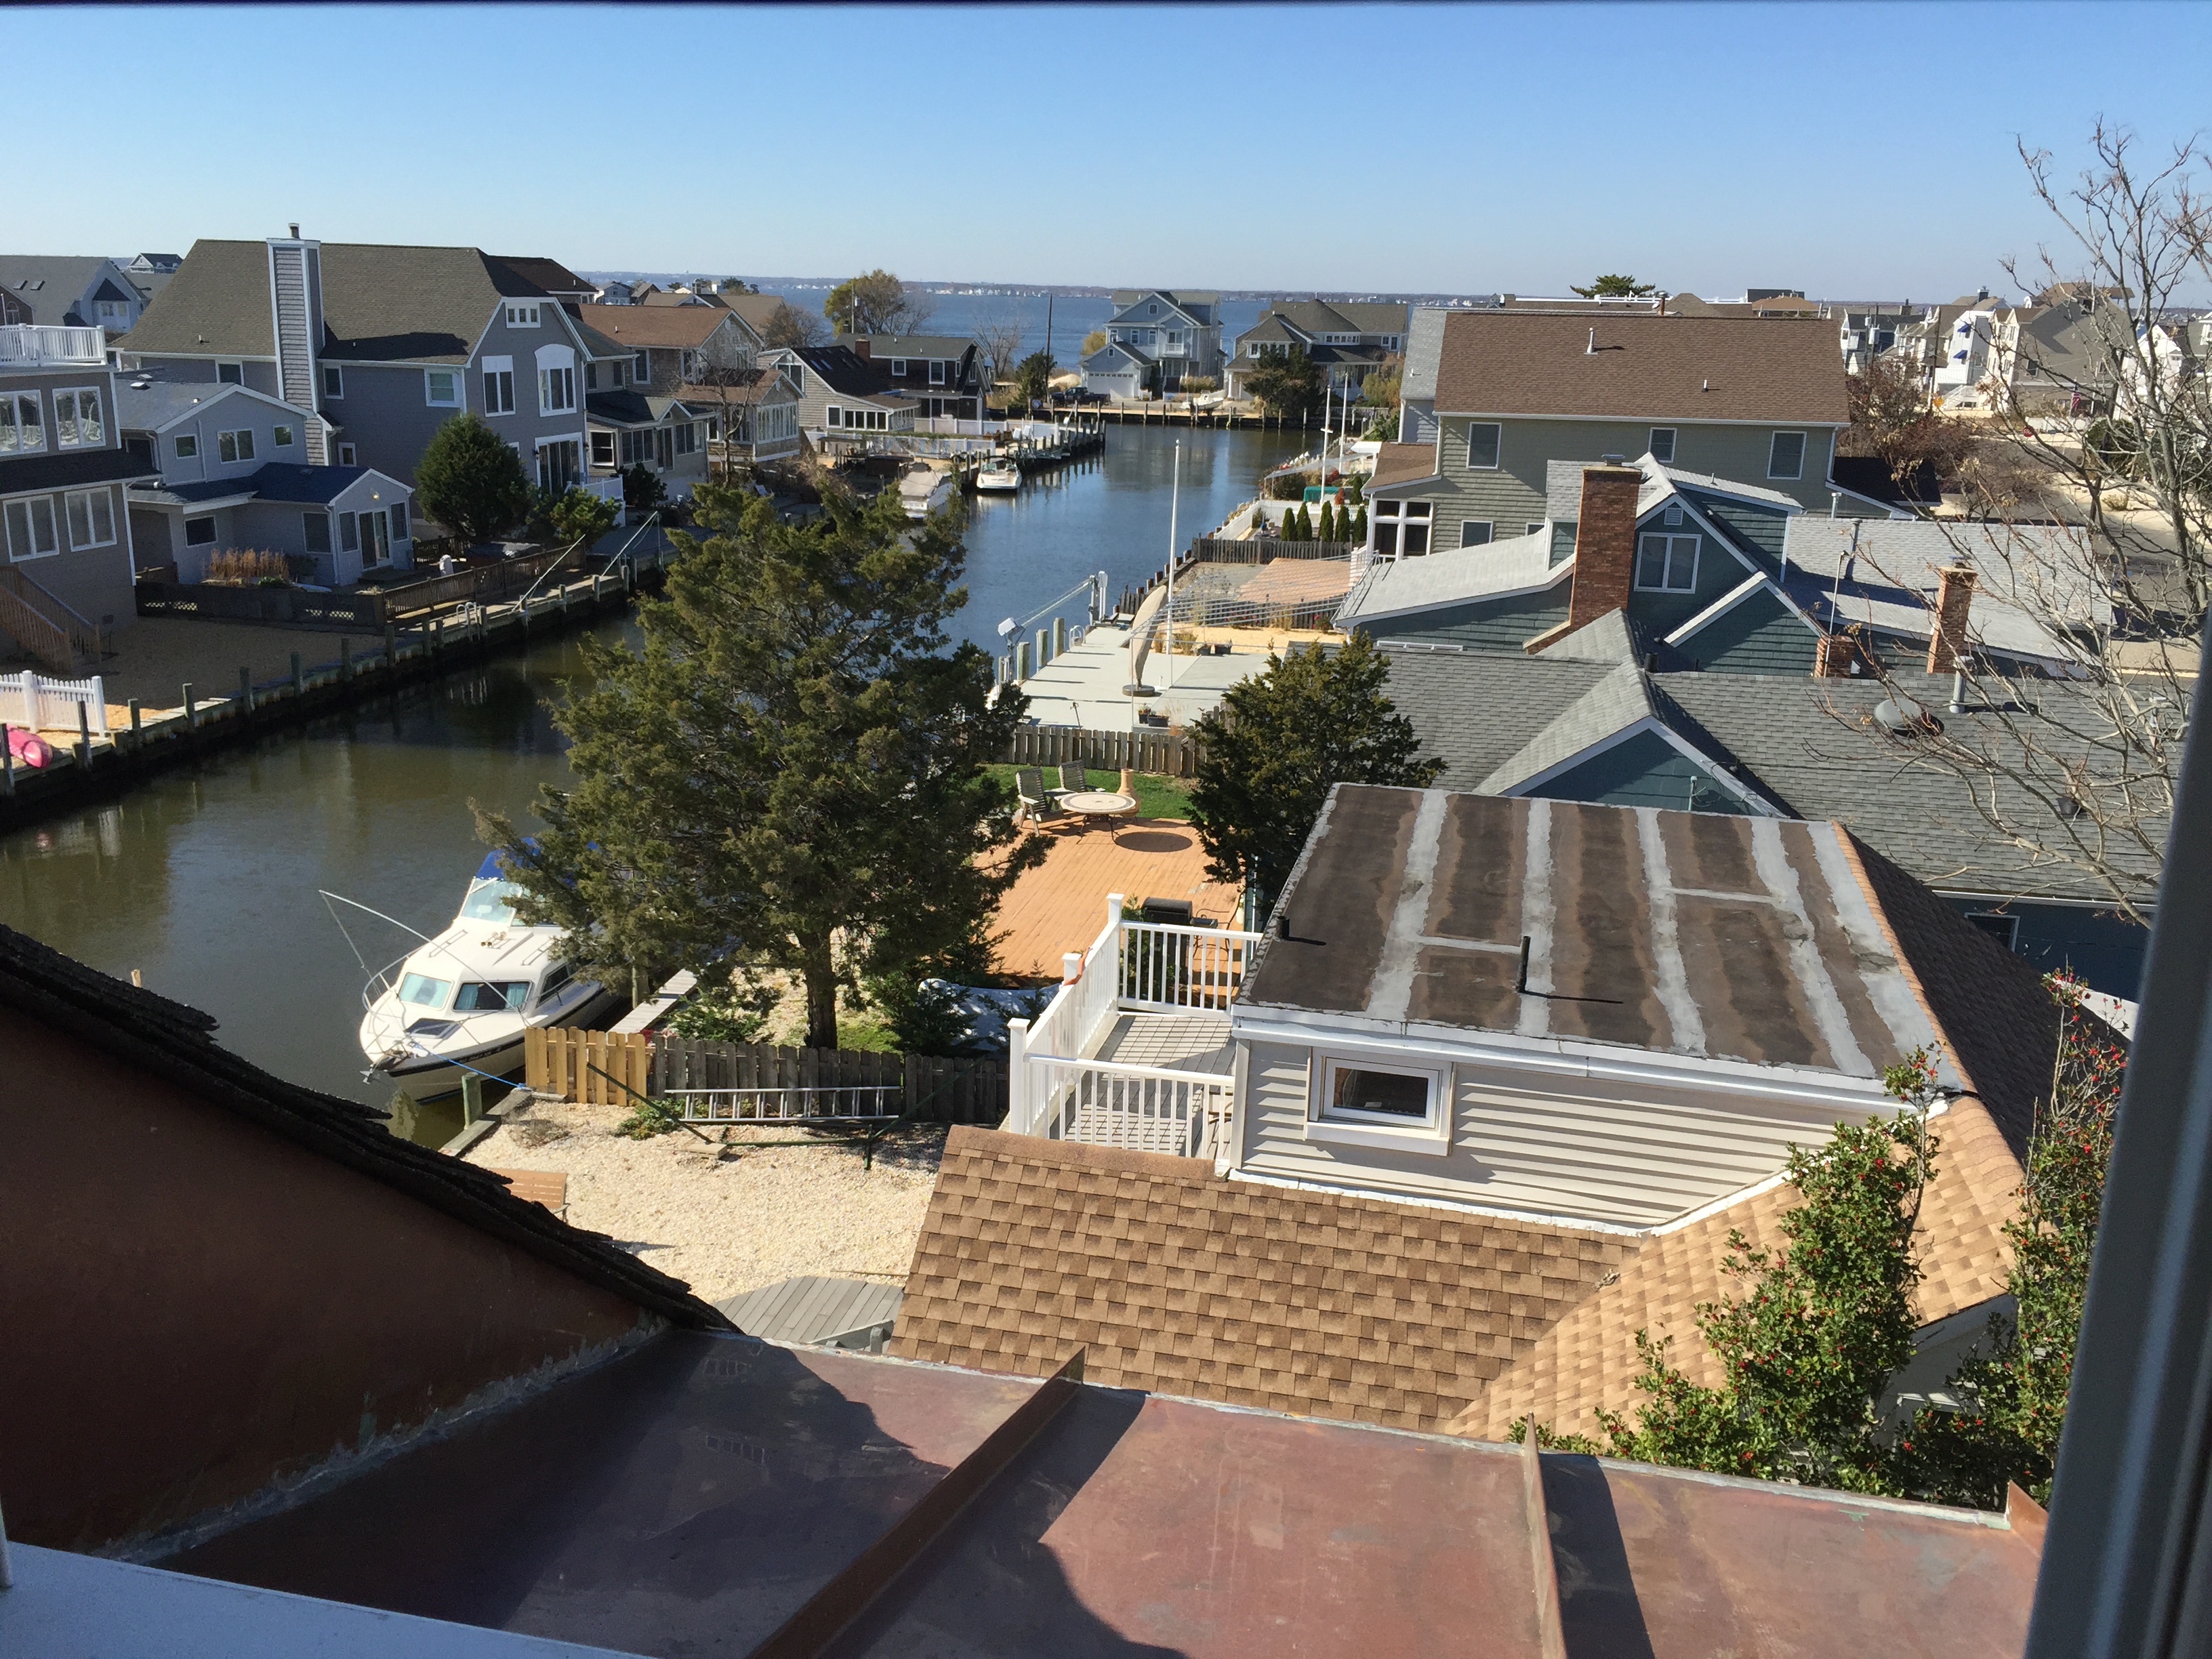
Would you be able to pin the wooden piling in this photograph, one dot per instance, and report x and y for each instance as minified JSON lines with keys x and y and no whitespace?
{"x":299,"y":679}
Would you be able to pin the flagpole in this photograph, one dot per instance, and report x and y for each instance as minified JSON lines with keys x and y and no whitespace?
{"x":1175,"y":502}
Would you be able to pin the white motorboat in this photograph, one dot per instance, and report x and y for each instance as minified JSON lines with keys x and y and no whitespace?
{"x":463,"y":998}
{"x":923,"y":489}
{"x":999,"y":475}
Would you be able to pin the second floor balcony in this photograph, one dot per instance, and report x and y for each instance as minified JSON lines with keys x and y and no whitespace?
{"x":41,"y":345}
{"x":1134,"y":1050}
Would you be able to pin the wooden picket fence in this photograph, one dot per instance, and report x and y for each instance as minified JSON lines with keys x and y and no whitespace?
{"x":823,"y":1082}
{"x":1169,"y":754}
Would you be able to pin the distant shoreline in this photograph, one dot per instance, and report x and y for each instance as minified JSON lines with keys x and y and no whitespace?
{"x":1023,"y":290}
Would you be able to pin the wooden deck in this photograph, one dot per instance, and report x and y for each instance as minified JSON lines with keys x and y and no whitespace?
{"x":1061,"y":905}
{"x":548,"y":1188}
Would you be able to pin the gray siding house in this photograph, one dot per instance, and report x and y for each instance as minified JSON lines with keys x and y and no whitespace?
{"x":1498,"y":396}
{"x":68,"y":569}
{"x":1348,"y":339}
{"x":232,"y":475}
{"x":1167,"y":337}
{"x":384,"y":344}
{"x":68,"y":292}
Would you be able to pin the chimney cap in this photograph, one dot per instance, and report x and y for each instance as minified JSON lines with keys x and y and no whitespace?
{"x":1614,"y":460}
{"x":296,"y":233}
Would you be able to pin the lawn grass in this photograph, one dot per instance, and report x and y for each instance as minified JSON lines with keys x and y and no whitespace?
{"x":1157,"y":797}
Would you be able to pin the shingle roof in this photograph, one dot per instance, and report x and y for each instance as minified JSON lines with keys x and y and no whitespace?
{"x":848,"y":373}
{"x":1811,"y":745}
{"x":178,"y":1044}
{"x":2000,"y":1029}
{"x":761,"y":386}
{"x":551,"y":275}
{"x":152,"y":404}
{"x":62,"y":469}
{"x":278,"y":481}
{"x":756,"y":311}
{"x":912,"y":345}
{"x":670,"y":328}
{"x":1177,"y":1280}
{"x":49,"y":286}
{"x":1425,"y":344}
{"x":1618,"y":701}
{"x":1452,"y":576}
{"x":1396,"y":463}
{"x":380,"y":303}
{"x":1690,"y":368}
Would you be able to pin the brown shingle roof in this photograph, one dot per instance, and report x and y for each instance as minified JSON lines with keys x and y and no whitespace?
{"x":1402,"y":463}
{"x":1175,"y":1280}
{"x":1686,"y":368}
{"x":752,"y":388}
{"x":2001,"y":1030}
{"x":667,"y":327}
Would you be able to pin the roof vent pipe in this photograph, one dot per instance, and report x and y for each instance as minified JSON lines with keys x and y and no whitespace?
{"x":1591,"y":348}
{"x":1835,"y":501}
{"x":1707,"y":387}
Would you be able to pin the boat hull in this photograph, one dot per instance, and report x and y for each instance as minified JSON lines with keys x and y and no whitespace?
{"x":429,"y":1077}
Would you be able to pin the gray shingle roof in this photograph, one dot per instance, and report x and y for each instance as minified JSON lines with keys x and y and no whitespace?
{"x":68,"y":467}
{"x":1812,"y":747}
{"x":279,"y":481}
{"x":49,"y":286}
{"x":1618,"y":701}
{"x":380,"y":303}
{"x":1457,"y":575}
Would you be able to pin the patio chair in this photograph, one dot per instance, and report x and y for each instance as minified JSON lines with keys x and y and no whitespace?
{"x":1036,"y":801}
{"x":1071,"y":780}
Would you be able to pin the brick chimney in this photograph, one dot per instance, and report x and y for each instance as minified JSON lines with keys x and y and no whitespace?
{"x":1839,"y":656}
{"x":1605,"y":542}
{"x":861,"y":347}
{"x":1954,"y":596}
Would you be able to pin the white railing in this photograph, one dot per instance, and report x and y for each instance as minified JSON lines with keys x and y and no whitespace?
{"x":45,"y":705}
{"x":41,"y":345}
{"x":1146,"y":1109}
{"x":1141,"y":966}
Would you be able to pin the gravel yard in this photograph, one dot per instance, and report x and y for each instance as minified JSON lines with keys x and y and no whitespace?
{"x":730,"y":1222}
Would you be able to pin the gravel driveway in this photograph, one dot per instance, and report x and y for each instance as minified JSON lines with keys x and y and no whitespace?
{"x":731,"y":1222}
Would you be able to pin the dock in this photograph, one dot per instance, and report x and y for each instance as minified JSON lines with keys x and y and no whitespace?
{"x":418,"y":645}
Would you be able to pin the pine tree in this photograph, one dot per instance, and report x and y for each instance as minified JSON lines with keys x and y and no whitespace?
{"x":1358,"y":527}
{"x":1328,"y":522}
{"x":471,"y":480}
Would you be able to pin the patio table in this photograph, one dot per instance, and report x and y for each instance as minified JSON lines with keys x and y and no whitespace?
{"x":1107,"y":804}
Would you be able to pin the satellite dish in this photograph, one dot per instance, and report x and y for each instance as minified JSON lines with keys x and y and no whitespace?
{"x":1901,"y":717}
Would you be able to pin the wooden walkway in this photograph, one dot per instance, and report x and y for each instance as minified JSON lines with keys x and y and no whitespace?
{"x":1061,"y":905}
{"x":814,"y":1309}
{"x":548,"y":1188}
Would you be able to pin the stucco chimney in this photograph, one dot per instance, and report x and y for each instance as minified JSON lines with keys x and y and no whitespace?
{"x":1954,"y":596}
{"x":1605,"y":542}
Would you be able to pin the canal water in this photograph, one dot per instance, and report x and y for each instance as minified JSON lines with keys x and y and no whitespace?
{"x":204,"y":879}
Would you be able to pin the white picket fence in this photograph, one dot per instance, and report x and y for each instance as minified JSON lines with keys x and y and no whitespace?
{"x":50,"y":705}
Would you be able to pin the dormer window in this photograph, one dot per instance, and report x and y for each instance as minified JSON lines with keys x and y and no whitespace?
{"x":521,"y":316}
{"x":937,"y":371}
{"x":1152,"y":311}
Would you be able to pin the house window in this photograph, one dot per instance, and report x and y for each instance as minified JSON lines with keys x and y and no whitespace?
{"x":1662,"y":443}
{"x":557,"y":390}
{"x":441,"y":388}
{"x":187,"y":446}
{"x":2004,"y":929}
{"x":31,"y":529}
{"x":399,"y":517}
{"x":614,"y":373}
{"x":687,"y":438}
{"x":591,"y":377}
{"x":1374,"y":1095}
{"x":345,"y":455}
{"x":499,"y":389}
{"x":1482,"y":445}
{"x":199,"y":533}
{"x":233,"y":446}
{"x":833,"y":415}
{"x":1785,"y":457}
{"x":1404,"y":1108}
{"x":522,"y":316}
{"x":349,"y":533}
{"x":1474,"y":532}
{"x":1667,"y":564}
{"x":230,"y":373}
{"x":603,"y":449}
{"x":936,"y":371}
{"x":333,"y":381}
{"x":1534,"y":528}
{"x":284,"y":437}
{"x":22,"y":424}
{"x":77,"y":424}
{"x":91,"y":518}
{"x":315,"y":532}
{"x":644,"y":372}
{"x":111,"y":311}
{"x":898,"y":366}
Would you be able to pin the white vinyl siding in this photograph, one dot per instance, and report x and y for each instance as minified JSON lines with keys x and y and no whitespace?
{"x":1630,"y":1155}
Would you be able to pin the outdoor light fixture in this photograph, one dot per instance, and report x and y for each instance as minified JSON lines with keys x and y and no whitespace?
{"x":1007,"y":627}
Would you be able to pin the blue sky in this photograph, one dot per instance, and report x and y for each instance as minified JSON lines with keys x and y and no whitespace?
{"x":1857,"y":150}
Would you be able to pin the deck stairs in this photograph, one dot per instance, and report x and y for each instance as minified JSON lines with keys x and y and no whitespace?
{"x":45,"y":626}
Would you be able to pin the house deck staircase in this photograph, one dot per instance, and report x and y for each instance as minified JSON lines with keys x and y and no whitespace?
{"x":46,"y":627}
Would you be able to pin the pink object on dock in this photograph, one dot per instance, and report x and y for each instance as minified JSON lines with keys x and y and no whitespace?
{"x":29,"y":748}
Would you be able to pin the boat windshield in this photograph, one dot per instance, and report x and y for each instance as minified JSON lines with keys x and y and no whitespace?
{"x":488,"y":900}
{"x":478,"y":997}
{"x":421,"y":988}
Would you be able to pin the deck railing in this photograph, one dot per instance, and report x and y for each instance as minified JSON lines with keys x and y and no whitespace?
{"x":41,"y":345}
{"x":1144,"y":966}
